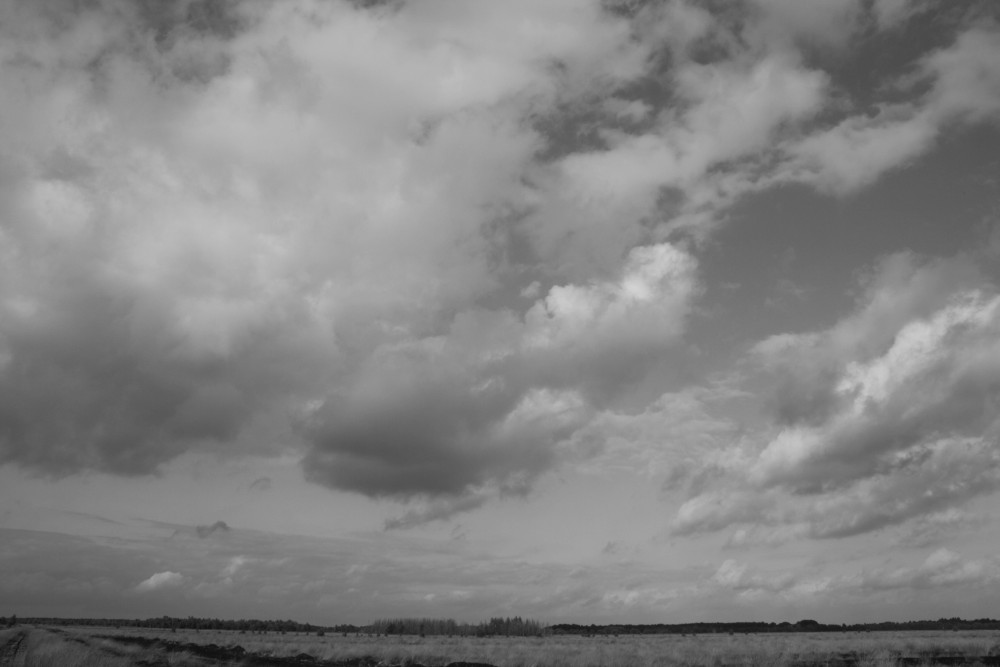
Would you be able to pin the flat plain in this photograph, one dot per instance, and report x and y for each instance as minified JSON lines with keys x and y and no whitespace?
{"x":110,"y":647}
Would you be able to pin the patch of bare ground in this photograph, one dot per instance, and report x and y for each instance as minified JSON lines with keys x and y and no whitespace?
{"x":43,"y":647}
{"x":11,"y":646}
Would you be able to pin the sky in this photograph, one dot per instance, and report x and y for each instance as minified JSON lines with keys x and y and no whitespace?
{"x":599,"y":311}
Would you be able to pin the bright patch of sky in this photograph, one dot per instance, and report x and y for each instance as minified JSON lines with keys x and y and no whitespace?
{"x":614,"y":311}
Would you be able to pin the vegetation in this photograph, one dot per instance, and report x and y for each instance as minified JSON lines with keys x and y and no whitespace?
{"x":193,"y":623}
{"x":808,"y":625}
{"x":496,"y":642}
{"x":800,"y":649}
{"x":509,"y":627}
{"x":499,"y":627}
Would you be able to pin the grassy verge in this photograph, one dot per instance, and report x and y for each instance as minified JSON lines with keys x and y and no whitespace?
{"x":867,"y":650}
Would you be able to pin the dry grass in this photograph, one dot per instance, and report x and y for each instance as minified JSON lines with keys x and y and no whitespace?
{"x":45,"y":648}
{"x":873,"y":649}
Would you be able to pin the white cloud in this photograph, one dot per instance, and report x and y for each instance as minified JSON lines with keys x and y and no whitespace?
{"x":213,"y":224}
{"x":234,"y":565}
{"x":941,"y":568}
{"x":964,"y":83}
{"x":930,"y":384}
{"x":889,"y":415}
{"x":685,"y":435}
{"x":967,"y":75}
{"x":486,"y":402}
{"x":160,"y":581}
{"x":739,"y":577}
{"x":856,"y":152}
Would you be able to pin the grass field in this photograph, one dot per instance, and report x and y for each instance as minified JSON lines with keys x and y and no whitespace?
{"x":867,"y":649}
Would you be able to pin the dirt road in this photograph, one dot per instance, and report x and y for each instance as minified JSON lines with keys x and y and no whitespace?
{"x":12,"y":648}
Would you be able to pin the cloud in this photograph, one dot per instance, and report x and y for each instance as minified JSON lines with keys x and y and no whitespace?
{"x":737,"y":576}
{"x":482,"y":407}
{"x":426,"y":270}
{"x":942,"y":568}
{"x":828,"y":23}
{"x":218,"y":526}
{"x":860,"y":149}
{"x":967,"y":84}
{"x":234,"y":565}
{"x":187,"y":259}
{"x":889,"y":415}
{"x":904,"y":408}
{"x":890,"y":14}
{"x":964,"y":82}
{"x":939,"y":527}
{"x":261,"y":484}
{"x":438,"y":509}
{"x":160,"y":581}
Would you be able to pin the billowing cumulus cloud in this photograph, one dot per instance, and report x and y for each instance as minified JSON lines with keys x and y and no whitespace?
{"x":428,"y":245}
{"x":908,"y":405}
{"x":159,"y":581}
{"x":212,"y":227}
{"x":891,"y":414}
{"x":484,"y":404}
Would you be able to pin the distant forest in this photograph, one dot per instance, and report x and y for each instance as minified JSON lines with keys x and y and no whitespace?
{"x":513,"y":627}
{"x":760,"y":627}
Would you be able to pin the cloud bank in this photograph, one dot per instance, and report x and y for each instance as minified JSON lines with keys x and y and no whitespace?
{"x":427,"y":244}
{"x":889,"y":415}
{"x":159,"y":581}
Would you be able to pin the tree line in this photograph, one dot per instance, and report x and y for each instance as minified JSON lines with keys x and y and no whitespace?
{"x":510,"y":627}
{"x":495,"y":627}
{"x":503,"y":626}
{"x":807,"y":625}
{"x":190,"y":623}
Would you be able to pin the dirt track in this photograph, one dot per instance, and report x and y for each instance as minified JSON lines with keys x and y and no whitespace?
{"x":12,"y":648}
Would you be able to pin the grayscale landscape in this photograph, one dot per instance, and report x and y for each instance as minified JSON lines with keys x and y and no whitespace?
{"x":522,"y":333}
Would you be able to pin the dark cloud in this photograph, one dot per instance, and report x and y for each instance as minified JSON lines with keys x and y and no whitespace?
{"x":111,"y":357}
{"x":421,"y":435}
{"x":206,"y":531}
{"x":172,"y":20}
{"x":186,"y":262}
{"x":95,"y":382}
{"x":261,"y":484}
{"x":167,"y":285}
{"x":484,"y":406}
